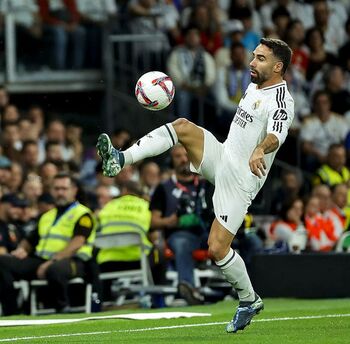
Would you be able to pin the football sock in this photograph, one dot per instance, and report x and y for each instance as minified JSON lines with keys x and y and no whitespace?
{"x":154,"y":143}
{"x":233,"y":268}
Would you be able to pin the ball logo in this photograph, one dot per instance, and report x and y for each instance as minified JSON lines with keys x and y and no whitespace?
{"x":280,"y":115}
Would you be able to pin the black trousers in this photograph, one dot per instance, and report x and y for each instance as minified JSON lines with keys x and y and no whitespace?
{"x":58,"y":275}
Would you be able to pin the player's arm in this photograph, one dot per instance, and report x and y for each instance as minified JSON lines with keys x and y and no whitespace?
{"x":280,"y":117}
{"x":256,"y":162}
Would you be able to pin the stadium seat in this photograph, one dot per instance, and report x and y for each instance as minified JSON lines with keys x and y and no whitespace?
{"x":34,"y":307}
{"x":141,"y":276}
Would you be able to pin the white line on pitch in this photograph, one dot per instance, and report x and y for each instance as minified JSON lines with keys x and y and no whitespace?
{"x":13,"y":339}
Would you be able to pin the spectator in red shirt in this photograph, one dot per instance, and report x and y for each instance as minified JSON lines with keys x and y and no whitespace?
{"x":61,"y":24}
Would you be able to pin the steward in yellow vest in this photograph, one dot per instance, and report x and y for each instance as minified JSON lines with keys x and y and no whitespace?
{"x":334,"y":172}
{"x":56,"y":251}
{"x":127,"y":213}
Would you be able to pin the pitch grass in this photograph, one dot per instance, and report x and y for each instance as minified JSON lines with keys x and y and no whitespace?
{"x":294,"y":331}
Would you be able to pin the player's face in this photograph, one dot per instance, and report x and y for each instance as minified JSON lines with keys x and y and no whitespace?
{"x":262,"y":66}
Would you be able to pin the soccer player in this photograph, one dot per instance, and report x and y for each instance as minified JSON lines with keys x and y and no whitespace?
{"x":238,"y":167}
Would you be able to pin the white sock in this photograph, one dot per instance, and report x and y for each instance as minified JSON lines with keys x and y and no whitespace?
{"x":154,"y":143}
{"x":233,"y":268}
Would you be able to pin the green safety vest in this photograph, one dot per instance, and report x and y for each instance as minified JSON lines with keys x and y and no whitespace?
{"x":331,"y":177}
{"x":55,"y":235}
{"x":124,"y":214}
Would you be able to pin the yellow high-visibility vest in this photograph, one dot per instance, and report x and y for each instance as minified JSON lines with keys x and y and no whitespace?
{"x":124,"y":214}
{"x":55,"y":234}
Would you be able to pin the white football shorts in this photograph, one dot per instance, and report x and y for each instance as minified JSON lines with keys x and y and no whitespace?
{"x":230,"y":201}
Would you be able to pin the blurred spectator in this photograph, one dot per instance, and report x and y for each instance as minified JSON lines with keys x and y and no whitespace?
{"x":319,"y":229}
{"x":233,"y":30}
{"x":53,"y":152}
{"x":321,"y":130}
{"x":206,"y":21}
{"x":232,"y":82}
{"x":334,"y":170}
{"x":47,"y":172}
{"x":297,"y":10}
{"x":250,"y":39}
{"x":289,"y":189}
{"x":55,"y":131}
{"x":32,"y":189}
{"x":318,"y":56}
{"x":30,"y":156}
{"x":332,"y":226}
{"x":150,"y":17}
{"x":4,"y":98}
{"x":94,"y":15}
{"x":42,"y":256}
{"x":62,"y":24}
{"x":121,"y":138}
{"x":149,"y":177}
{"x":180,"y":209}
{"x":37,"y":116}
{"x":45,"y":203}
{"x":10,"y":114}
{"x":295,"y":35}
{"x":120,"y":215}
{"x":296,"y":85}
{"x":11,"y":141}
{"x":10,"y":233}
{"x":27,"y":129}
{"x":336,"y":87}
{"x":74,"y":145}
{"x":28,"y":30}
{"x":126,"y":175}
{"x":344,"y":51}
{"x":340,"y":211}
{"x":16,"y":178}
{"x":290,"y":227}
{"x":330,"y":26}
{"x":280,"y":18}
{"x":104,"y":194}
{"x":237,"y":8}
{"x":5,"y":173}
{"x":192,"y":70}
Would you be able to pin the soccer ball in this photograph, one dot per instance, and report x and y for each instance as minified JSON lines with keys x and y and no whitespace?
{"x":154,"y":90}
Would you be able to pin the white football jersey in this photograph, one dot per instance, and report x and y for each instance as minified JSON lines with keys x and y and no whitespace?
{"x":260,"y":112}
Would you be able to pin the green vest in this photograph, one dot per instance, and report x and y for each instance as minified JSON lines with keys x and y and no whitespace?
{"x":331,"y":177}
{"x":55,"y":235}
{"x":124,"y":214}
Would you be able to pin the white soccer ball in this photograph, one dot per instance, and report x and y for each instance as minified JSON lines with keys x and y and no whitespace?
{"x":154,"y":90}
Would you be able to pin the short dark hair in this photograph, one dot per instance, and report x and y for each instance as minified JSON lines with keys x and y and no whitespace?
{"x":62,"y":175}
{"x":320,"y":93}
{"x":280,"y":49}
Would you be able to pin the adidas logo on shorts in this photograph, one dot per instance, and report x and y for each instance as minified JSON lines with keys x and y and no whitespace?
{"x":223,"y":217}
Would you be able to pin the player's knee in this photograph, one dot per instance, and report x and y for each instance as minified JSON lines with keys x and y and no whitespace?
{"x":215,"y":250}
{"x":182,"y":127}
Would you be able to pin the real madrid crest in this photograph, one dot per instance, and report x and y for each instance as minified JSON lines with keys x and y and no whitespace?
{"x":256,"y":104}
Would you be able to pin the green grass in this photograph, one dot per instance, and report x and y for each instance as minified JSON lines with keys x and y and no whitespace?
{"x":293,"y":331}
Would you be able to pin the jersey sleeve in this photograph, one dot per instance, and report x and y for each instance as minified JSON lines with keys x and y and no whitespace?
{"x":280,"y":118}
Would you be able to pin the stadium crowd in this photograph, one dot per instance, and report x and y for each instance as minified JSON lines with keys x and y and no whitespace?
{"x":210,"y":44}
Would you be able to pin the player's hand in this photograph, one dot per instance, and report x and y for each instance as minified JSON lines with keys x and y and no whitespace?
{"x":20,"y":253}
{"x":257,"y":163}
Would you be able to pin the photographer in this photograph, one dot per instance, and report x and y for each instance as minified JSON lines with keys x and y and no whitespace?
{"x":181,"y":209}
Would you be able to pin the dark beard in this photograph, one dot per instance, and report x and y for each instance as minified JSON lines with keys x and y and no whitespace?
{"x":258,"y":79}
